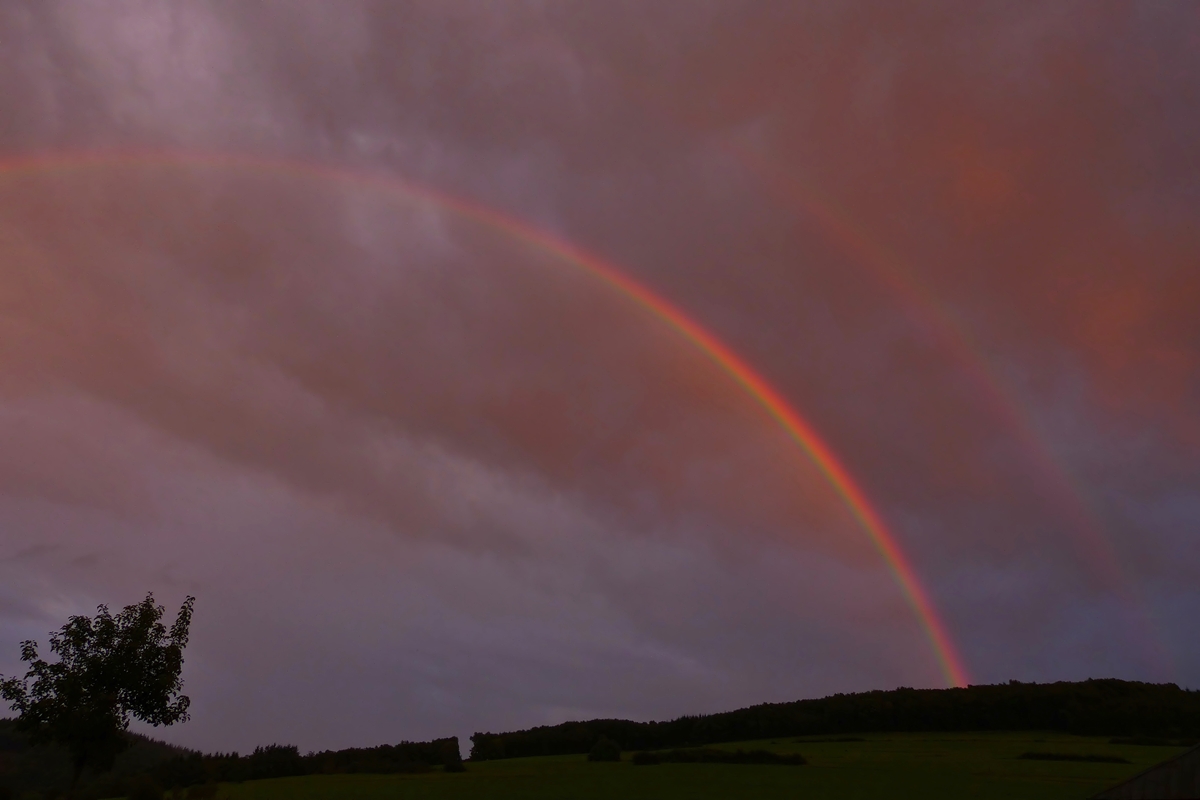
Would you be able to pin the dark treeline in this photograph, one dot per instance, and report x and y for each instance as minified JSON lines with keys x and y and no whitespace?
{"x":285,"y":761}
{"x":1093,"y":707}
{"x":46,"y":768}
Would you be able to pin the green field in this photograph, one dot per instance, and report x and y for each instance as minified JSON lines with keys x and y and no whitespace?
{"x":925,"y":766}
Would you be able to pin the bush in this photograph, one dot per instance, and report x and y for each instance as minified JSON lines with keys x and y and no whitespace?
{"x":205,"y":791}
{"x":605,"y":749}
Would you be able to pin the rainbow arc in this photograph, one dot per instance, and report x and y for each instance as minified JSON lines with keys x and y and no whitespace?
{"x":1092,"y":543}
{"x":719,"y":353}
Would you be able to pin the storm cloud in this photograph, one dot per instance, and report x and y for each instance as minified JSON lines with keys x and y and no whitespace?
{"x":426,"y":476}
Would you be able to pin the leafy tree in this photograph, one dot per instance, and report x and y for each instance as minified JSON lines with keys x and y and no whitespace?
{"x":453,"y":758}
{"x":605,"y":749}
{"x":110,"y":669}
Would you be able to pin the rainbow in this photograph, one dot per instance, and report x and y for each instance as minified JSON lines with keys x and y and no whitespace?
{"x":1085,"y":526}
{"x":724,"y":357}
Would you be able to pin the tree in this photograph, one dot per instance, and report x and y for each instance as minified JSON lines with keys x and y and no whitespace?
{"x":605,"y":749}
{"x":110,"y":669}
{"x":452,"y":759}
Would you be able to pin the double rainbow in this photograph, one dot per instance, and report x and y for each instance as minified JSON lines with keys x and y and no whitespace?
{"x":723,"y":356}
{"x":1085,"y":526}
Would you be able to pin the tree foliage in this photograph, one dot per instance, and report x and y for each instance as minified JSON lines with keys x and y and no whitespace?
{"x":110,"y":669}
{"x":605,"y":749}
{"x":283,"y":761}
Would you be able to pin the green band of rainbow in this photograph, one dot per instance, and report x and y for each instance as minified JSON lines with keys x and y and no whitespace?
{"x":801,"y":432}
{"x":1086,"y":526}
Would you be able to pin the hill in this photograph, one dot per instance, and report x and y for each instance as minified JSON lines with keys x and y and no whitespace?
{"x":24,"y":768}
{"x":46,"y":769}
{"x":897,"y":766}
{"x":1142,"y":717}
{"x":1093,"y":707}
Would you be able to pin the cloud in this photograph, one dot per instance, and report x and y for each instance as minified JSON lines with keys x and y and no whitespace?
{"x":428,"y":477}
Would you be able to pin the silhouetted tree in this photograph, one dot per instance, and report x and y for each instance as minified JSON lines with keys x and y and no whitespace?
{"x":605,"y":749}
{"x":452,"y":756}
{"x":110,"y":669}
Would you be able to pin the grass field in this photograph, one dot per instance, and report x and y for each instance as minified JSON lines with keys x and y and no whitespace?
{"x":926,"y":766}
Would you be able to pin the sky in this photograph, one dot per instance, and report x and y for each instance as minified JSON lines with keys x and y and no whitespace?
{"x":451,"y":354}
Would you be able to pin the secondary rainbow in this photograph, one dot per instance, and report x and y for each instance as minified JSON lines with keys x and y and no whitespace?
{"x":1085,"y":526}
{"x":755,"y":385}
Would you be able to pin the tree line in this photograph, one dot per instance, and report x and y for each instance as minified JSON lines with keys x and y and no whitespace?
{"x":113,"y":668}
{"x":26,"y":766}
{"x":1106,"y":707}
{"x":285,"y":761}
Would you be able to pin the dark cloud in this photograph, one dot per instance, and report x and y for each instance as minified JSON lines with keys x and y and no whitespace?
{"x":426,"y":477}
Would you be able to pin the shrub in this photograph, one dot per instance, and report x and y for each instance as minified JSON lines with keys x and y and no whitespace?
{"x":605,"y":749}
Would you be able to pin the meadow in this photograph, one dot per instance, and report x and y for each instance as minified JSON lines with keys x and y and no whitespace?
{"x":894,"y":765}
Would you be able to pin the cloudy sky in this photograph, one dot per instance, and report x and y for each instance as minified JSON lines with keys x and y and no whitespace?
{"x":268,"y":340}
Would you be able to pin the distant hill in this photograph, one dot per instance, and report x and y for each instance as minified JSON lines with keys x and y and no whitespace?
{"x":1141,"y":711}
{"x":1093,"y":707}
{"x":25,"y":768}
{"x":46,"y":769}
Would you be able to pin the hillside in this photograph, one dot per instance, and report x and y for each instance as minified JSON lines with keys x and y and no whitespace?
{"x":1137,"y":714}
{"x":24,"y":768}
{"x":897,"y":766}
{"x":1093,"y":707}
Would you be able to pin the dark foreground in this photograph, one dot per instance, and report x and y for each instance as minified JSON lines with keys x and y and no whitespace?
{"x":896,"y":765}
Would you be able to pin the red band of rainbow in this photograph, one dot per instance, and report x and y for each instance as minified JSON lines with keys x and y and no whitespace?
{"x":754,"y":384}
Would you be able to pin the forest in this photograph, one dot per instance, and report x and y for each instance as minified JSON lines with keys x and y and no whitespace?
{"x":25,"y":767}
{"x":1094,"y":707}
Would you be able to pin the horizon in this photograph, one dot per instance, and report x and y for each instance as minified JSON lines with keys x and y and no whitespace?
{"x":465,"y":741}
{"x":510,"y":365}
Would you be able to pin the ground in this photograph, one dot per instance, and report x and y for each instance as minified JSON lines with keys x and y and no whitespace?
{"x":980,"y":766}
